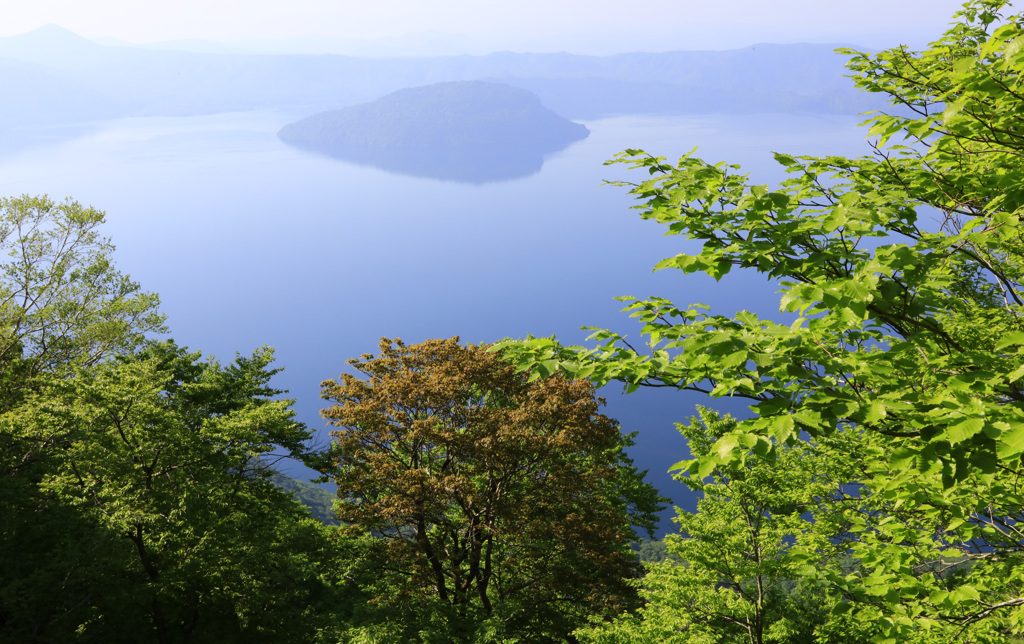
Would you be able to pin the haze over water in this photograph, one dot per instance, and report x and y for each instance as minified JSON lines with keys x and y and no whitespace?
{"x":249,"y":242}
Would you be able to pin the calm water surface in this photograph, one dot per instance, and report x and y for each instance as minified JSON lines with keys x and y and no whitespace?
{"x":251,"y":242}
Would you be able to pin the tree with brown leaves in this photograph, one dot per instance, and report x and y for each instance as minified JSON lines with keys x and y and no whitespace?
{"x":504,"y":507}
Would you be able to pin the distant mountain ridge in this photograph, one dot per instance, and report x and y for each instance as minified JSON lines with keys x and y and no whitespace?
{"x":131,"y":81}
{"x":51,"y":45}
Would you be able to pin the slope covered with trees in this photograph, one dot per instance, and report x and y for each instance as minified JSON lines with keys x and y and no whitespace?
{"x":134,"y":505}
{"x":874,"y":495}
{"x":129,"y":509}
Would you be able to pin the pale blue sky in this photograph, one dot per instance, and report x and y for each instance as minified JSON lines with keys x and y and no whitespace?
{"x":521,"y":24}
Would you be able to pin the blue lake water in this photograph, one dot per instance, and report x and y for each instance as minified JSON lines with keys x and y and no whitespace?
{"x":251,"y":242}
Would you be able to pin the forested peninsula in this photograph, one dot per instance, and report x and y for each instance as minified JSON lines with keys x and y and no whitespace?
{"x":874,"y":494}
{"x":465,"y":130}
{"x":466,"y":114}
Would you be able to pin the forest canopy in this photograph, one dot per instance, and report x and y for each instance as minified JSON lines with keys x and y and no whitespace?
{"x":133,"y":506}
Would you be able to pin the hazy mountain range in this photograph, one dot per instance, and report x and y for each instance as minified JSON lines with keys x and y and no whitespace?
{"x":53,"y":76}
{"x":426,"y":43}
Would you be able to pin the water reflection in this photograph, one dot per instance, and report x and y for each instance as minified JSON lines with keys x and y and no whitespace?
{"x":464,"y":164}
{"x":15,"y":138}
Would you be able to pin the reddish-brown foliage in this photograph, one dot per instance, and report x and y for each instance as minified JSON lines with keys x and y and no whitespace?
{"x":493,"y":493}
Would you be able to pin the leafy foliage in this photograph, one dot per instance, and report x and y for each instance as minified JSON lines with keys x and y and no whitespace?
{"x":140,"y":517}
{"x":735,"y":564}
{"x":504,"y":507}
{"x":133,"y":503}
{"x":62,"y":301}
{"x":906,"y":347}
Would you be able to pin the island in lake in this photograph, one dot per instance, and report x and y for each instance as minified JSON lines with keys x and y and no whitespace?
{"x":470,"y":131}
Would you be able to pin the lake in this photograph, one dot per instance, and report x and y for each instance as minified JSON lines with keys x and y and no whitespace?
{"x":251,"y":242}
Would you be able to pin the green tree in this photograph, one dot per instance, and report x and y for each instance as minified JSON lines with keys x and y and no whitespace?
{"x":62,"y":301}
{"x":133,"y":503}
{"x":735,"y":569}
{"x":504,"y":508}
{"x":907,"y":342}
{"x":145,"y":516}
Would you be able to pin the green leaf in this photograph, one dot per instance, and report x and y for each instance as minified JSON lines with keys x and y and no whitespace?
{"x":1011,"y":442}
{"x":785,"y":159}
{"x":782,"y":427}
{"x":953,"y":109}
{"x":964,"y":429}
{"x":683,"y":466}
{"x":902,"y":457}
{"x":1015,"y":338}
{"x":726,"y":445}
{"x":706,"y":466}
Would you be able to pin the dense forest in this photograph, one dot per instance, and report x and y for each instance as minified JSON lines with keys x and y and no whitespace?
{"x":874,"y":495}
